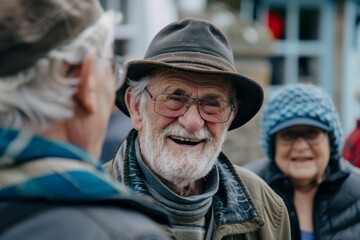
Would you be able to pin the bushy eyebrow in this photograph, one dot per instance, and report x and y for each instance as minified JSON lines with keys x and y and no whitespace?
{"x":214,"y":96}
{"x":209,"y":96}
{"x":178,"y":91}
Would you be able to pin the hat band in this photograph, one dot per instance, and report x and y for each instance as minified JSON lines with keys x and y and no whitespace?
{"x":194,"y":60}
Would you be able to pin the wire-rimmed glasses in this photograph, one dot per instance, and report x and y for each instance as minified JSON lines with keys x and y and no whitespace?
{"x":173,"y":105}
{"x":118,"y":68}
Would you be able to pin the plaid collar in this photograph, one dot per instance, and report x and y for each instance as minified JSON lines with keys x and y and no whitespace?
{"x":32,"y":167}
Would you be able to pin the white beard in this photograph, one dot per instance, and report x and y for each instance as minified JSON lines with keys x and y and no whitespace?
{"x":178,"y":167}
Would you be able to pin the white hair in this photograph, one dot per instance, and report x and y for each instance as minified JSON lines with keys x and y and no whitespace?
{"x":39,"y":96}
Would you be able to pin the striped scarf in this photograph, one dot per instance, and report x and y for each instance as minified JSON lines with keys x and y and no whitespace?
{"x":32,"y":167}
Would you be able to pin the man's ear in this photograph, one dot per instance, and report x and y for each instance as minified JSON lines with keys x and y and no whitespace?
{"x":235,"y":111}
{"x":85,"y":95}
{"x":133,"y":106}
{"x":233,"y":115}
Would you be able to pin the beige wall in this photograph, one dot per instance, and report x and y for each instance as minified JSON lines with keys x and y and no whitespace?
{"x":243,"y":144}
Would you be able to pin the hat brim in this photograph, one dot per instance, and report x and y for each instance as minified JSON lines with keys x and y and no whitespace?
{"x":299,"y":122}
{"x":249,"y":93}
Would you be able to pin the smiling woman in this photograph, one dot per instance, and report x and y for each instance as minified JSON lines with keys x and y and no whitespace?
{"x":302,"y":139}
{"x":302,"y":153}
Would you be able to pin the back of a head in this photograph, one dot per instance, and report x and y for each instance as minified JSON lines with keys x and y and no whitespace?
{"x":305,"y":102}
{"x":36,"y":38}
{"x":30,"y":29}
{"x":40,"y":43}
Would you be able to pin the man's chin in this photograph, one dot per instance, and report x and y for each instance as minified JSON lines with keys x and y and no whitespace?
{"x":182,"y":169}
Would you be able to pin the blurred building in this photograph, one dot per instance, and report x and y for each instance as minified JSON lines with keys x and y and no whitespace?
{"x":275,"y":42}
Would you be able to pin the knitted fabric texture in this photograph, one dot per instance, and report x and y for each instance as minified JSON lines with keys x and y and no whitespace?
{"x":300,"y":101}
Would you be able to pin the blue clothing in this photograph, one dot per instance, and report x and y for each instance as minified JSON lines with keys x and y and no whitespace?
{"x":84,"y":202}
{"x":336,"y":202}
{"x":76,"y":176}
{"x":307,"y":235}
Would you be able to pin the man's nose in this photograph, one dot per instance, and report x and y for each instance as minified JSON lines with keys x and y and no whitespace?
{"x":191,"y":120}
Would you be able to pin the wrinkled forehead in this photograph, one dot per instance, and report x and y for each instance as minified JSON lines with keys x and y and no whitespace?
{"x":190,"y":80}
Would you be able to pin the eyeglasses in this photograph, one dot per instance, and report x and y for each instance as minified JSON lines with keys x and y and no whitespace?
{"x":117,"y":66}
{"x":172,"y":105}
{"x":312,"y":136}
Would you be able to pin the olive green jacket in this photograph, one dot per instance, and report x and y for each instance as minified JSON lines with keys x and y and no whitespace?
{"x":270,"y":207}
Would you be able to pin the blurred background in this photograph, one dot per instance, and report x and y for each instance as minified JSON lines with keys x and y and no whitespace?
{"x":275,"y":42}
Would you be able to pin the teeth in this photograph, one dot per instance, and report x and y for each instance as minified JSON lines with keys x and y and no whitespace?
{"x":185,"y":139}
{"x":301,"y":159}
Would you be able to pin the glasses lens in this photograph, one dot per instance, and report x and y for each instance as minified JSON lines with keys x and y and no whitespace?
{"x":287,"y":137}
{"x":312,"y":136}
{"x":118,"y":70}
{"x":170,"y":105}
{"x":214,"y":110}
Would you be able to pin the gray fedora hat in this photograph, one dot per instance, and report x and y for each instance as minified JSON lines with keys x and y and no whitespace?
{"x":196,"y":46}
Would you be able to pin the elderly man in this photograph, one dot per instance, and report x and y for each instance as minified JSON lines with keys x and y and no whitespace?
{"x":182,"y":98}
{"x":57,"y":89}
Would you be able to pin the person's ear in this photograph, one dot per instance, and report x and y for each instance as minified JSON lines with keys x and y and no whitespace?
{"x":233,"y":115}
{"x":234,"y":112}
{"x":133,"y":106}
{"x":85,"y":95}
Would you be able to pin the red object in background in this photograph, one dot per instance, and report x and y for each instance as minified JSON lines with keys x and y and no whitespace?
{"x":351,"y":150}
{"x":275,"y":24}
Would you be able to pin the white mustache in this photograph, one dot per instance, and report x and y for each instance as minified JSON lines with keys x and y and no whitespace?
{"x":177,"y":130}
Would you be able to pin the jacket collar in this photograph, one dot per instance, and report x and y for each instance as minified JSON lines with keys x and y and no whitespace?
{"x":336,"y":173}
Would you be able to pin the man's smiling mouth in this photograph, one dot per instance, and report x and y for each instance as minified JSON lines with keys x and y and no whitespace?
{"x":186,"y":141}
